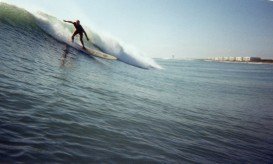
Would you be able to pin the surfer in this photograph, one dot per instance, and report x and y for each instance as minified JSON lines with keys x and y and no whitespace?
{"x":79,"y":30}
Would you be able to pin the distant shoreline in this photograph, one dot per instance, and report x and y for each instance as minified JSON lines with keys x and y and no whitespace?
{"x":249,"y":62}
{"x":257,"y":60}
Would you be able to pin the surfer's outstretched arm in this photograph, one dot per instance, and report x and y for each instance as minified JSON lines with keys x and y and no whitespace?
{"x":68,"y":21}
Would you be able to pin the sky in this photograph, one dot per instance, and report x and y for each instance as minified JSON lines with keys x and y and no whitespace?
{"x":183,"y":28}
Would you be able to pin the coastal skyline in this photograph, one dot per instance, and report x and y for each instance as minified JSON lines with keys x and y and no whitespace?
{"x":185,"y":29}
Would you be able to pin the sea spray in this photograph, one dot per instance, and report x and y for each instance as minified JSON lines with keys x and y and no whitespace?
{"x":62,"y":32}
{"x":122,"y":51}
{"x":99,"y":41}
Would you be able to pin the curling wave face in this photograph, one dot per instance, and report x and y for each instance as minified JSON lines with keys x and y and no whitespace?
{"x":62,"y":32}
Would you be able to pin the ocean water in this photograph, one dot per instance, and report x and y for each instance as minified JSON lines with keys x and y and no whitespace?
{"x":81,"y":109}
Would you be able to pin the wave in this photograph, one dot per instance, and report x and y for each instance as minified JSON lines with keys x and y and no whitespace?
{"x":62,"y":32}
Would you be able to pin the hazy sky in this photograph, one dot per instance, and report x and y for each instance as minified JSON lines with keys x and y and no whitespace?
{"x":184,"y":28}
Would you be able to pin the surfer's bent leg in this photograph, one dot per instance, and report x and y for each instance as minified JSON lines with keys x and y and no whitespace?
{"x":75,"y":33}
{"x":81,"y":35}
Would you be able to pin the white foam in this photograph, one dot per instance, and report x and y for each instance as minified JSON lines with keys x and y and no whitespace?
{"x":107,"y":43}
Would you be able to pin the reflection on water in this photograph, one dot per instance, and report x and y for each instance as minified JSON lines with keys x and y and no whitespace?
{"x":84,"y":109}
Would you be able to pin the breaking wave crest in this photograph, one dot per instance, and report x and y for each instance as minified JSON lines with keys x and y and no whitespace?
{"x":62,"y":32}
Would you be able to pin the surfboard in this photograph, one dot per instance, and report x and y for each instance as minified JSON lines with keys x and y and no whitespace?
{"x":92,"y":52}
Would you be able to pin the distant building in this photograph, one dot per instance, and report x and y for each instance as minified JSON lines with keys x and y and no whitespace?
{"x":231,"y":59}
{"x":239,"y":59}
{"x":226,"y":58}
{"x":251,"y":59}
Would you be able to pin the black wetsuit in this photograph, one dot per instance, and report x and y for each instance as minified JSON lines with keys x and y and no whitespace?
{"x":79,"y":29}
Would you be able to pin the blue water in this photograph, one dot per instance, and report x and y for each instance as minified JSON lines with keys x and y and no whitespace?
{"x":81,"y":109}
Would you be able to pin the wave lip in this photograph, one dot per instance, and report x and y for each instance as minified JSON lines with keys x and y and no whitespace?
{"x":62,"y":31}
{"x":123,"y":52}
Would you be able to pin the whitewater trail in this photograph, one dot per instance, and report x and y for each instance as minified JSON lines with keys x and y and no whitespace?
{"x":63,"y":31}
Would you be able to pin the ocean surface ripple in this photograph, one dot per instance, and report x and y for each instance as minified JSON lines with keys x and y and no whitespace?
{"x":81,"y":109}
